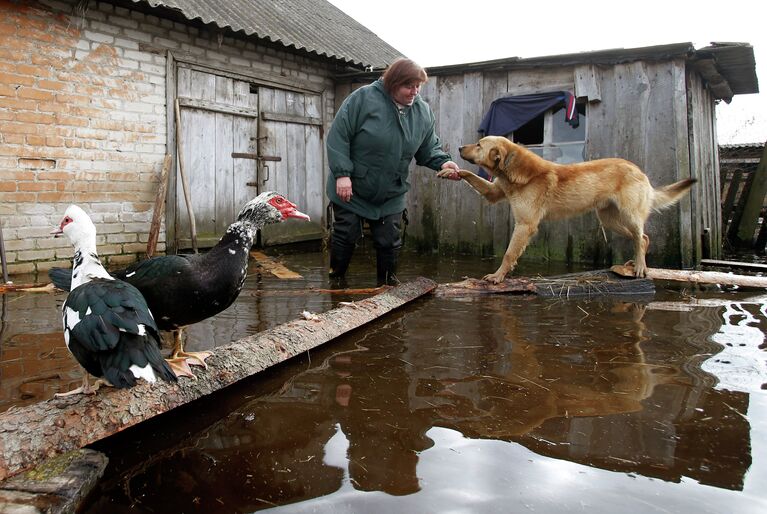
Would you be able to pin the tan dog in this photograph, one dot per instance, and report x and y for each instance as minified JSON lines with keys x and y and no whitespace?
{"x":538,"y":189}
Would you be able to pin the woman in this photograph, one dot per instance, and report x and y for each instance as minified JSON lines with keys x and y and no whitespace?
{"x":377,"y":131}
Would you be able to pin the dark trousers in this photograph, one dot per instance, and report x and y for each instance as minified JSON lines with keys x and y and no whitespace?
{"x":347,"y":230}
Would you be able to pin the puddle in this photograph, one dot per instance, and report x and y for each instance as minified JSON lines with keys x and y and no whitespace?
{"x":483,"y":404}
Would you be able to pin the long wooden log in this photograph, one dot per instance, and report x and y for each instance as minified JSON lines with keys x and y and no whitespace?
{"x":698,"y":277}
{"x":35,"y":432}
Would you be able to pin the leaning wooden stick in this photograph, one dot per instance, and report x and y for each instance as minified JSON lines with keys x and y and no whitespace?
{"x":184,"y":179}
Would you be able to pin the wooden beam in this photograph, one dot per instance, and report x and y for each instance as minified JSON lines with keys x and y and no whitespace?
{"x":698,"y":277}
{"x":754,"y":203}
{"x":291,"y":118}
{"x":205,"y":105}
{"x":33,"y":433}
{"x":274,"y":267}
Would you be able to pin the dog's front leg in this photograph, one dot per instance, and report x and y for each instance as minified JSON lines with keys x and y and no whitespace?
{"x":519,"y":239}
{"x":489,"y":190}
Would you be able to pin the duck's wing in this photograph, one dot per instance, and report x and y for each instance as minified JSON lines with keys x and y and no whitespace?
{"x":154,"y":271}
{"x":98,"y":312}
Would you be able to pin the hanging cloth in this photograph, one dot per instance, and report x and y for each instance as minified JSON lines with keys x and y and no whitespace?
{"x":509,"y":113}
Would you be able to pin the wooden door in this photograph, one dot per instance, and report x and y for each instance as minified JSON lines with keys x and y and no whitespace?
{"x":219,"y":116}
{"x":290,"y":129}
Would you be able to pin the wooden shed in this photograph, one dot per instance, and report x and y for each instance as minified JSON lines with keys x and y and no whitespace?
{"x":654,"y":106}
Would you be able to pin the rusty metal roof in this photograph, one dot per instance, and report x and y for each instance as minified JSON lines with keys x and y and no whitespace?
{"x":314,"y":26}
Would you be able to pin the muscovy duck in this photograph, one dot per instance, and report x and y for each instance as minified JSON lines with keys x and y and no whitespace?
{"x":107,"y":324}
{"x":185,"y":289}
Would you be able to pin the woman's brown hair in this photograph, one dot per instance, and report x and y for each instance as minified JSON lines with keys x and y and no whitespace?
{"x":401,"y":72}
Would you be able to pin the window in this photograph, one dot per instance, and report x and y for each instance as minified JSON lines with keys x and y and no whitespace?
{"x":551,"y":137}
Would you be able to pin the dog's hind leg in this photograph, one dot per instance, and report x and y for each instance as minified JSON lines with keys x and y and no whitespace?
{"x":628,"y":226}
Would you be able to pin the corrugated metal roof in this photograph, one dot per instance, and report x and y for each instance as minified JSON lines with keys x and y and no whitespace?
{"x":315,"y":26}
{"x":728,"y":68}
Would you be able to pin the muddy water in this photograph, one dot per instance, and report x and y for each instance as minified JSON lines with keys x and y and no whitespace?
{"x":485,"y":404}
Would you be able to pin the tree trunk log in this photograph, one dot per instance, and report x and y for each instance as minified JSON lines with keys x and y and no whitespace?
{"x":699,"y":277}
{"x":36,"y":432}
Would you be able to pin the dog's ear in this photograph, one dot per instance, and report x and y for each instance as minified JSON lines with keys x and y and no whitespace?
{"x":495,"y":157}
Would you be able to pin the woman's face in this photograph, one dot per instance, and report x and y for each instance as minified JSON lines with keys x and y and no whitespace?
{"x":405,"y":94}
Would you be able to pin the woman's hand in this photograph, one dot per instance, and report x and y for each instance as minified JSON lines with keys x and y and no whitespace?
{"x":344,"y":188}
{"x":449,"y":171}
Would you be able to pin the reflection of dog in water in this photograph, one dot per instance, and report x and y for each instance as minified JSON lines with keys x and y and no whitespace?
{"x":538,"y":189}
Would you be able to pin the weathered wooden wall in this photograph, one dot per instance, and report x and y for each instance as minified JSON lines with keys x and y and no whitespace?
{"x":637,"y":111}
{"x":704,"y":156}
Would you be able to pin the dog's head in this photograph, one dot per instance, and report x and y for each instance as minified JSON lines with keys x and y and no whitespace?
{"x":494,"y":153}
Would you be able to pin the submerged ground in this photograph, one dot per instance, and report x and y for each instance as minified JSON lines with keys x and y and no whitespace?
{"x":479,"y":404}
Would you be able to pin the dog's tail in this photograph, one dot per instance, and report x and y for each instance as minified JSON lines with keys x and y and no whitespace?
{"x":668,"y":195}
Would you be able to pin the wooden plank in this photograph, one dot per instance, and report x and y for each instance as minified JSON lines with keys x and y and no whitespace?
{"x":587,"y":83}
{"x":291,"y":118}
{"x":274,"y":267}
{"x":737,"y":212}
{"x":755,"y":196}
{"x":57,"y":486}
{"x":33,"y":433}
{"x":753,"y":266}
{"x":217,"y":107}
{"x":700,"y":277}
{"x":728,"y":206}
{"x":314,"y":175}
{"x":245,"y":138}
{"x":224,"y":210}
{"x":159,"y":207}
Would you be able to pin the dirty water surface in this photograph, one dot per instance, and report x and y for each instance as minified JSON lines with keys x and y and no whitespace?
{"x":501,"y":403}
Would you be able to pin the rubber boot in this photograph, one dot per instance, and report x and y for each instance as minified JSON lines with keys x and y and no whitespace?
{"x":340,"y":257}
{"x":386,"y":267}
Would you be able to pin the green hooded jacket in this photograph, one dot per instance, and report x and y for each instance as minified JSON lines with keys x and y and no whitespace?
{"x":373,"y":143}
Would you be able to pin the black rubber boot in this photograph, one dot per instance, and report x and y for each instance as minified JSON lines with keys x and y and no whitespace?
{"x":386,"y":267}
{"x":340,"y":257}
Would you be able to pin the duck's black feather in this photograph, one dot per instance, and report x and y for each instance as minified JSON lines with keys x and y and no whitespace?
{"x":109,"y":328}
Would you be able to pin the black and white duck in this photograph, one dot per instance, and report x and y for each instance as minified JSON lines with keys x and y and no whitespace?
{"x":185,"y":289}
{"x":108,"y":327}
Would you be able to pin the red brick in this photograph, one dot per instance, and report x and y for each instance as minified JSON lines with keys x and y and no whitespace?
{"x":35,"y":117}
{"x":58,"y":197}
{"x":35,"y":94}
{"x":12,"y":78}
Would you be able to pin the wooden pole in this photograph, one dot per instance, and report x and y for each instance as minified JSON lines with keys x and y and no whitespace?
{"x":33,"y":433}
{"x":754,"y":203}
{"x":159,"y":208}
{"x":2,"y":256}
{"x":699,"y":277}
{"x":184,"y":179}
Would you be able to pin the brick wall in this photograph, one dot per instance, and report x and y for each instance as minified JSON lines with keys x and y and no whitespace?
{"x":83,"y":120}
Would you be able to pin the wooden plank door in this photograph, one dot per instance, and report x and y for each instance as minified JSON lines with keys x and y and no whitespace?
{"x":219,"y":117}
{"x":290,"y":128}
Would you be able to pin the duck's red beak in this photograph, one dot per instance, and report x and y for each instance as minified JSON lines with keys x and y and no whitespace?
{"x":287,"y":208}
{"x":295,"y":213}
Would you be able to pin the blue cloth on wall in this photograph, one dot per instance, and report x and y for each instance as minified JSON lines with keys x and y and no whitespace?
{"x":509,"y":113}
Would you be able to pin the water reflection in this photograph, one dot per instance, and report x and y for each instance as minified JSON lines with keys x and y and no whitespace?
{"x":486,"y":404}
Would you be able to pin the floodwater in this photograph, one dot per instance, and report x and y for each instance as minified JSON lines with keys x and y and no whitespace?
{"x":477,"y":404}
